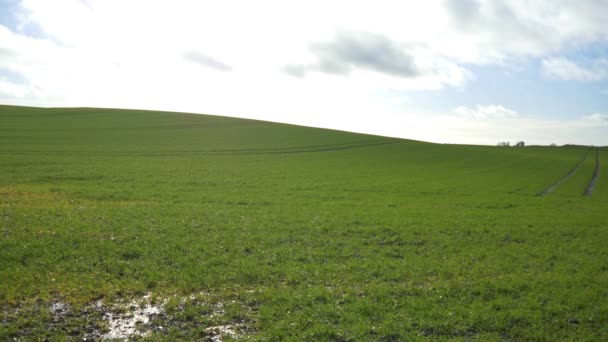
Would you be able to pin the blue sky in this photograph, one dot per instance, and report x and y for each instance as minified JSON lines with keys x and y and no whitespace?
{"x":526,"y":91}
{"x":448,"y":71}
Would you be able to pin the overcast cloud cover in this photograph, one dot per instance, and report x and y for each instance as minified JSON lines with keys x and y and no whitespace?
{"x":461,"y":71}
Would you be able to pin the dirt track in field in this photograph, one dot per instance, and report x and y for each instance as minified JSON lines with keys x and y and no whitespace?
{"x":563,"y":179}
{"x":596,"y":175}
{"x":283,"y":150}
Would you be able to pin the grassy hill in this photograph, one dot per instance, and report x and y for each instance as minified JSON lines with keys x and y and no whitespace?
{"x":272,"y":231}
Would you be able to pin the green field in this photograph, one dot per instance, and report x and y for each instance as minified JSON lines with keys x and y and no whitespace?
{"x":280,"y":232}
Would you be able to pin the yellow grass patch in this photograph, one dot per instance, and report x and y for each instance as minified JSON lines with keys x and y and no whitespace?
{"x":10,"y":195}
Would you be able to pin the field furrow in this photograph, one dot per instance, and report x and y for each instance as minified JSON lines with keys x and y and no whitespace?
{"x":596,"y":175}
{"x":557,"y":183}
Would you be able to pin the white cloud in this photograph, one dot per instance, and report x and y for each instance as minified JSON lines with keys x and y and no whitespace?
{"x":366,"y":51}
{"x":12,"y":90}
{"x":486,"y":112}
{"x":563,"y":69}
{"x":416,"y":65}
{"x":456,"y":128}
{"x":273,"y":33}
{"x":598,"y":118}
{"x":493,"y":31}
{"x":534,"y":130}
{"x":206,"y":61}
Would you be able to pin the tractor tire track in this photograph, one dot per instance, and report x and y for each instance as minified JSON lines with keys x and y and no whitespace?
{"x":552,"y":187}
{"x":147,"y":128}
{"x":596,"y":175}
{"x":268,"y":151}
{"x":337,"y":147}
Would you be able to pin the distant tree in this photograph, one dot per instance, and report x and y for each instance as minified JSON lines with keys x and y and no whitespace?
{"x":553,"y":144}
{"x":520,"y":144}
{"x":503,"y":143}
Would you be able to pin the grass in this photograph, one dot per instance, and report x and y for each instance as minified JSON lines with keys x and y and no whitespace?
{"x":300,"y":233}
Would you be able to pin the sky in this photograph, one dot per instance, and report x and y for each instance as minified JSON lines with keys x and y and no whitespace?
{"x":446,"y":71}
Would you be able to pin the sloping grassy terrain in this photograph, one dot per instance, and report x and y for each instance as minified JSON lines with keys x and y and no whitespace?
{"x":298,"y":233}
